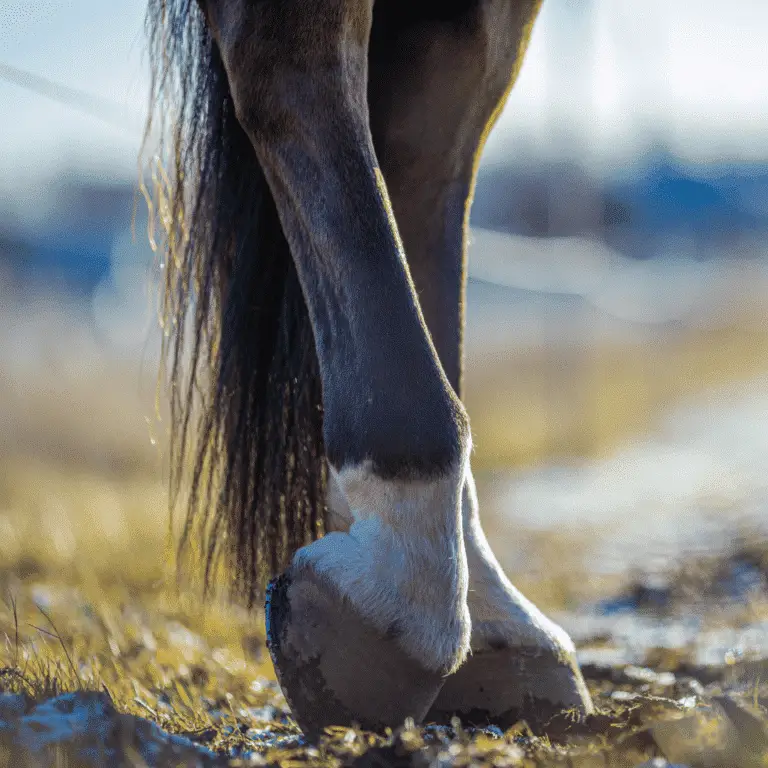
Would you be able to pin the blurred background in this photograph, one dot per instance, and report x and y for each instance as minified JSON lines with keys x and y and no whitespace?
{"x":617,"y":339}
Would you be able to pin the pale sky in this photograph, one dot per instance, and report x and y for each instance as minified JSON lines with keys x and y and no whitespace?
{"x":684,"y":71}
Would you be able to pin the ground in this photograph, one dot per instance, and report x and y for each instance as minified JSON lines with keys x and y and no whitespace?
{"x":107,"y":660}
{"x":116,"y":633}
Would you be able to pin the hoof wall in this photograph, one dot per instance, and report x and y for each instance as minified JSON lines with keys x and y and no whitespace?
{"x":334,"y":667}
{"x":502,"y":687}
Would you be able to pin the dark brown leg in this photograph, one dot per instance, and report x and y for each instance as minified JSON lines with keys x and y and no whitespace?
{"x":436,"y":83}
{"x":438,"y":76}
{"x":364,"y":624}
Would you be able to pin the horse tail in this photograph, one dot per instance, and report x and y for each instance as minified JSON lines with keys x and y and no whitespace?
{"x":238,"y":352}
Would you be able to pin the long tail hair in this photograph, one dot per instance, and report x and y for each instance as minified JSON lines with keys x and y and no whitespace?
{"x":246,"y":448}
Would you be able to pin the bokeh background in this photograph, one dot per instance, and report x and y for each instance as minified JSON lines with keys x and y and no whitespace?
{"x":617,"y":339}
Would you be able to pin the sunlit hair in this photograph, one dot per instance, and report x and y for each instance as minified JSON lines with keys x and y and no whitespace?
{"x":239,"y":360}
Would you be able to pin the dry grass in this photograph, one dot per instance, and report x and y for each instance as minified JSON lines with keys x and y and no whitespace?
{"x":91,"y":603}
{"x":204,"y":675}
{"x":532,"y":405}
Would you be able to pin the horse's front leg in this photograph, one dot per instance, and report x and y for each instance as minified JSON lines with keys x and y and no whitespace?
{"x":365,"y":624}
{"x":436,"y":82}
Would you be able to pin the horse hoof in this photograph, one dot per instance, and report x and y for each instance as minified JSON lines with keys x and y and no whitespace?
{"x":503,"y":686}
{"x":333,"y":666}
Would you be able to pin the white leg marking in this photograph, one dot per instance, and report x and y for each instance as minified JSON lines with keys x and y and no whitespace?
{"x":402,"y":562}
{"x":500,"y":612}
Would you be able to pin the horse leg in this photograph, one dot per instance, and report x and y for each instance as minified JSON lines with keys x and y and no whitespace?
{"x":434,"y":86}
{"x":365,"y":624}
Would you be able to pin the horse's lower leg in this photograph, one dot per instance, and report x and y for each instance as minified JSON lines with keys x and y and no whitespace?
{"x":365,"y":624}
{"x":434,"y":85}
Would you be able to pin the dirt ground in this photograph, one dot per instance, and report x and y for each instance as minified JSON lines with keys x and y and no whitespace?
{"x":107,"y":660}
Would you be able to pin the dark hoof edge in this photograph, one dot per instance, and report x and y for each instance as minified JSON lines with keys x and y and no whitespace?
{"x":503,"y":687}
{"x":336,"y":669}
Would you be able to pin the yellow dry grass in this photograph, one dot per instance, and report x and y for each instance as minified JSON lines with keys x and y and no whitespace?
{"x":84,"y":535}
{"x":543,"y":403}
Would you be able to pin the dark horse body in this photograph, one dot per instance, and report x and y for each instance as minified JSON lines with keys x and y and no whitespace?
{"x":325,"y":154}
